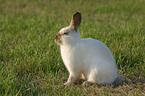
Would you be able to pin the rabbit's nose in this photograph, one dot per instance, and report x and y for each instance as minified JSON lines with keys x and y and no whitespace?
{"x":56,"y":37}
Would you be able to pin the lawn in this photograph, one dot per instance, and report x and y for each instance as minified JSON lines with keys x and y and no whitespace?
{"x":30,"y":60}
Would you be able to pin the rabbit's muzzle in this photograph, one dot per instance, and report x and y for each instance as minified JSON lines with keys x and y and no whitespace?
{"x":58,"y":39}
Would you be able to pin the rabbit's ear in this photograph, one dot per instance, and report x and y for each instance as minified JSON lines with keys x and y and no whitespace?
{"x":76,"y":20}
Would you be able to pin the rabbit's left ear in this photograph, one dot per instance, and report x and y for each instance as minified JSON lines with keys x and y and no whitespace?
{"x":76,"y":20}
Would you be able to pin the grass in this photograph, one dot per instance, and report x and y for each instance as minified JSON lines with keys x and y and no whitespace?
{"x":30,"y":61}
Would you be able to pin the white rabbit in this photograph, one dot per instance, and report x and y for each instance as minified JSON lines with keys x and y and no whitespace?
{"x":87,"y":58}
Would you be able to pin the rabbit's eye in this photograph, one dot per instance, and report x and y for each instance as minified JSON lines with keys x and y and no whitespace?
{"x":65,"y":33}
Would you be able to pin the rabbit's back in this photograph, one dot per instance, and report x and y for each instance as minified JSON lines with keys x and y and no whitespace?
{"x":91,"y":49}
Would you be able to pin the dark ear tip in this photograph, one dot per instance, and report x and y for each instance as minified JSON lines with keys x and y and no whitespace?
{"x":79,"y":13}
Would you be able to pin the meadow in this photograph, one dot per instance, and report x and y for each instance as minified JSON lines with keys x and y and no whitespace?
{"x":30,"y":60}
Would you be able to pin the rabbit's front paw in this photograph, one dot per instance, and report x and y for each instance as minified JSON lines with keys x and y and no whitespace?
{"x":67,"y":83}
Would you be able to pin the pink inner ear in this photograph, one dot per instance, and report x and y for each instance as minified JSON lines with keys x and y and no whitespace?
{"x":77,"y":20}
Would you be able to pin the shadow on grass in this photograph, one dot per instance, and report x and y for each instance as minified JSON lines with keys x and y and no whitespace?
{"x":126,"y":82}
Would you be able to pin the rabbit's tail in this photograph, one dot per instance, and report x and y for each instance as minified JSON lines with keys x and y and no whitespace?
{"x":119,"y":80}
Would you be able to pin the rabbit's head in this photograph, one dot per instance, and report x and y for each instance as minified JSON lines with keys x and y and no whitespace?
{"x":70,"y":35}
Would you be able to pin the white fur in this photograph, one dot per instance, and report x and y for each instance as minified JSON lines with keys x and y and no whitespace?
{"x":89,"y":58}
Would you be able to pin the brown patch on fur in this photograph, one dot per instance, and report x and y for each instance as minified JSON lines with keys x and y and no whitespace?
{"x":58,"y":38}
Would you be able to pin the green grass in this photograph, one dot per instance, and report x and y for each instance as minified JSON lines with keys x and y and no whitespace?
{"x":30,"y":61}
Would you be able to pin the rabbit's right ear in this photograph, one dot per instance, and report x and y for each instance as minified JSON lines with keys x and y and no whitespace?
{"x":76,"y":20}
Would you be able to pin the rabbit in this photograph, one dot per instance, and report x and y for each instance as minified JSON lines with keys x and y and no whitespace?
{"x":89,"y":59}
